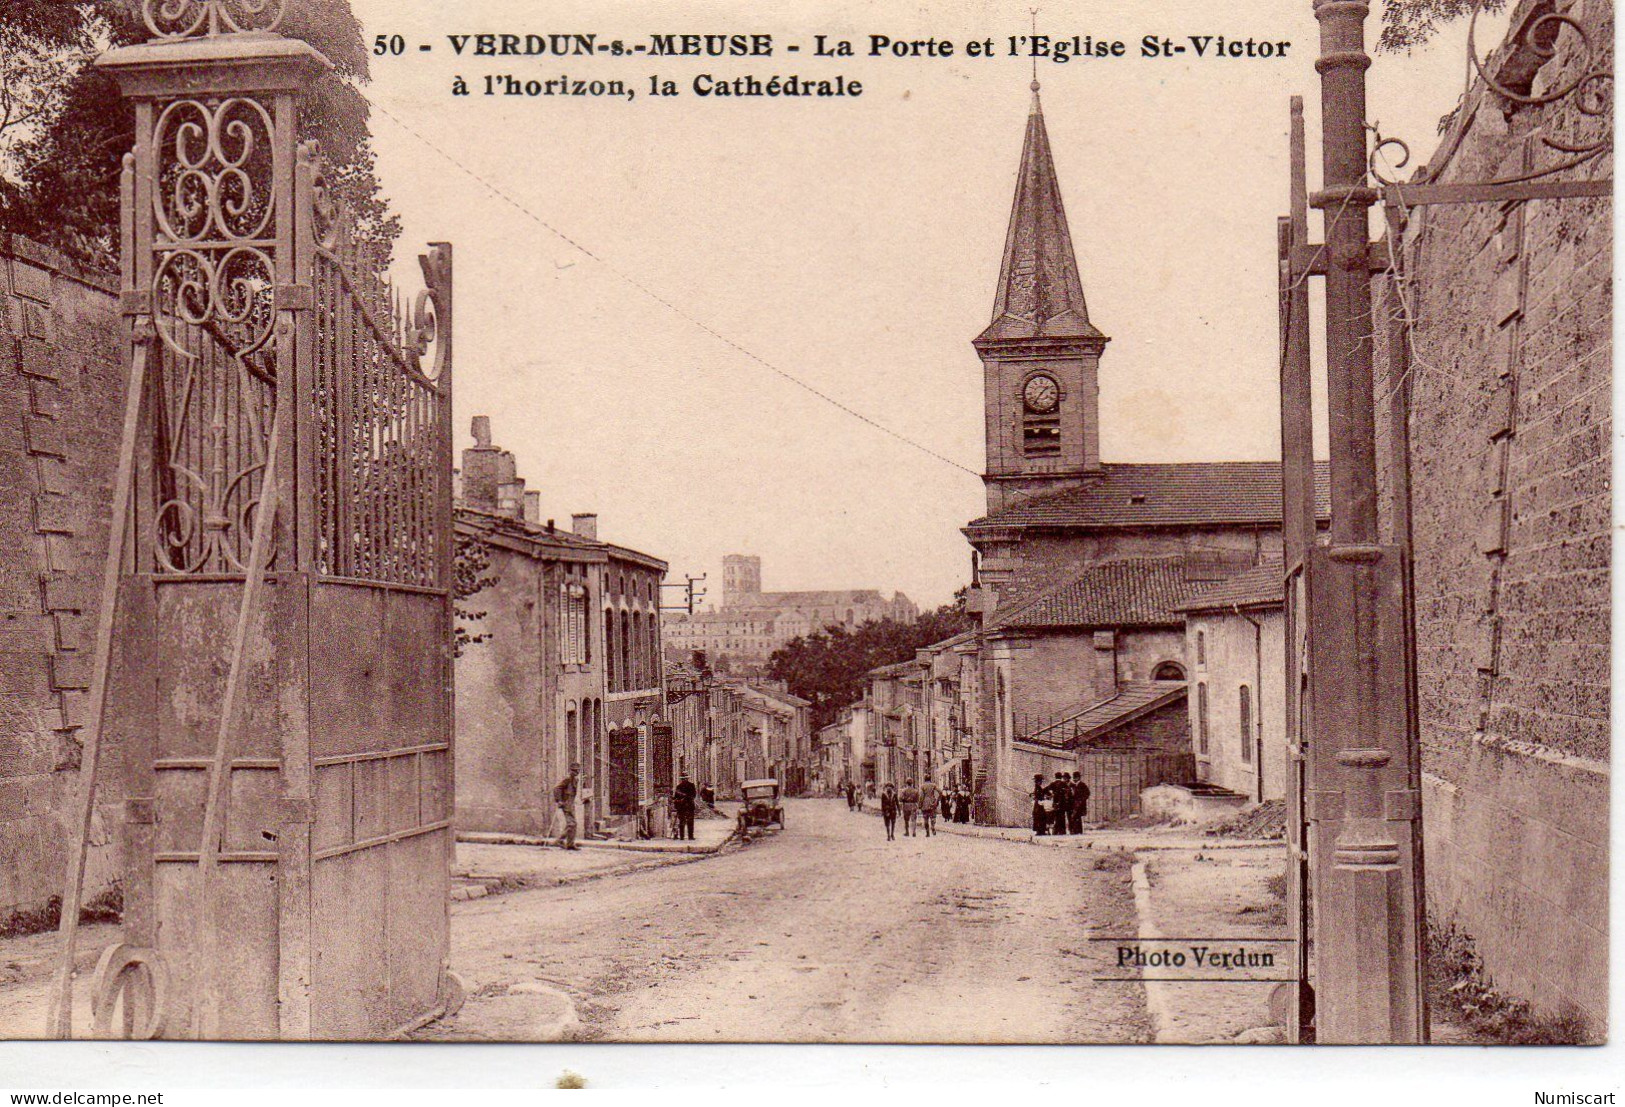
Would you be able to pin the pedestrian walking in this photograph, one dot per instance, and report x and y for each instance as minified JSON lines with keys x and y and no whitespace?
{"x":564,"y":798}
{"x":962,"y":806}
{"x":1080,"y":804}
{"x":947,"y":802}
{"x":1060,"y":803}
{"x":910,"y":799}
{"x":1040,"y":799}
{"x":851,"y":797}
{"x":930,"y":801}
{"x":682,"y":802}
{"x":888,"y":811}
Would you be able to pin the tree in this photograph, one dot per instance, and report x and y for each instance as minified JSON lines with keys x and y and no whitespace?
{"x":829,"y":666}
{"x":470,"y":573}
{"x":59,"y":168}
{"x":1407,"y":24}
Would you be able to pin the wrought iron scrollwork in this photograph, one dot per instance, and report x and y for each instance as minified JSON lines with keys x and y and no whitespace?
{"x":177,"y":19}
{"x":1569,"y":138}
{"x":213,"y":295}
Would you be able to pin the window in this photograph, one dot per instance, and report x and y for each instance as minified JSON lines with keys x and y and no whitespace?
{"x":1201,"y":719}
{"x":611,"y":674}
{"x":1201,"y":649}
{"x":1168,"y":670}
{"x":1245,"y":713}
{"x":572,"y":623}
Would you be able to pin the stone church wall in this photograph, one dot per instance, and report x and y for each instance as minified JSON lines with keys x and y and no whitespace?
{"x":61,"y":396}
{"x":1511,"y":316}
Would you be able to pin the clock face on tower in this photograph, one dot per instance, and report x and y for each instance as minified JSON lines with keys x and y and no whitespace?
{"x":1041,"y":394}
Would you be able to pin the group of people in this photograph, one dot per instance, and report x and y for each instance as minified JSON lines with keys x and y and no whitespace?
{"x":1060,"y":806}
{"x":919,"y":807}
{"x":683,"y":799}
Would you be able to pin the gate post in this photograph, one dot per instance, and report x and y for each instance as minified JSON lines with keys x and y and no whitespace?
{"x":1362,"y":760}
{"x":282,"y":700}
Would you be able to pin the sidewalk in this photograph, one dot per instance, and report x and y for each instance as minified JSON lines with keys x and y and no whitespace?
{"x":710,"y":835}
{"x":488,"y":864}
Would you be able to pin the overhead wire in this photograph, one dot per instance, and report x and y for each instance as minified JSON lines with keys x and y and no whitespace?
{"x":664,"y":301}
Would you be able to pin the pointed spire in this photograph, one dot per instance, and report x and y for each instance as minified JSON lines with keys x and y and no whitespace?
{"x":1040,"y":293}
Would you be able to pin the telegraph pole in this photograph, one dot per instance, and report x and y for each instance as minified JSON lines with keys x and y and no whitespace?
{"x":1362,"y":752}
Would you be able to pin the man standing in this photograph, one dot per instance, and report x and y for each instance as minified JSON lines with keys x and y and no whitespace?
{"x":930,"y":801}
{"x":1060,"y":803}
{"x":564,"y":797}
{"x":682,"y":802}
{"x":910,"y":797}
{"x":888,"y":811}
{"x":1080,"y":804}
{"x":1040,"y":816}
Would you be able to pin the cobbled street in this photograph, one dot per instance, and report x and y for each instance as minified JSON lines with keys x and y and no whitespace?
{"x":823,"y":932}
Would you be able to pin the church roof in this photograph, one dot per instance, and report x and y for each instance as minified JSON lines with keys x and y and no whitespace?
{"x":1164,"y":495}
{"x":1260,"y":586}
{"x":1040,"y":294}
{"x":1133,"y":591}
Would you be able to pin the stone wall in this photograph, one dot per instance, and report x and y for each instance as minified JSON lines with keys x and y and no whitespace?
{"x":1510,"y":312}
{"x":61,"y":396}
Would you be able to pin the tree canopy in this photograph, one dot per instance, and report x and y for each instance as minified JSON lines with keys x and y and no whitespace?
{"x":64,"y":128}
{"x":828,"y":667}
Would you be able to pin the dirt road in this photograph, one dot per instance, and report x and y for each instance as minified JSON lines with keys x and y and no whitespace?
{"x":824,"y":932}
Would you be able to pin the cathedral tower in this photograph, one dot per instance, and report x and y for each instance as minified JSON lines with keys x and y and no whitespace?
{"x":1040,"y":355}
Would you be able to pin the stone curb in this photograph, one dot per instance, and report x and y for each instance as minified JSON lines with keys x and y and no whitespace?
{"x":485,"y":839}
{"x":480,"y":887}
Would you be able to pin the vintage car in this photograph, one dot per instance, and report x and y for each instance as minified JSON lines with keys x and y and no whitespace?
{"x":759,"y":804}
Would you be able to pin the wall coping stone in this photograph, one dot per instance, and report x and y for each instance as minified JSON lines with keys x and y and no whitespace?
{"x":26,"y":249}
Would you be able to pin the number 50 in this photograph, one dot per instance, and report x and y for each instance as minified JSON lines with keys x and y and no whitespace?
{"x":388,"y":44}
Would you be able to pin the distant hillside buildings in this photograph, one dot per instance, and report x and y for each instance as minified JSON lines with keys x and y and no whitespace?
{"x":750,"y":624}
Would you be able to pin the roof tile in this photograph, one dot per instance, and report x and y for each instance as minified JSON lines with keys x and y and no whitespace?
{"x":1136,"y":591}
{"x":1165,"y":494}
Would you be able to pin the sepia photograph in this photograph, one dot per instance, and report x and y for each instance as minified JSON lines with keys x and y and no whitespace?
{"x":828,"y":523}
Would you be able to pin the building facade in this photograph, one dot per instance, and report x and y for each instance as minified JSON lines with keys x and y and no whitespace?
{"x":568,"y":673}
{"x":1235,"y":638}
{"x":726,"y":730}
{"x":742,"y":633}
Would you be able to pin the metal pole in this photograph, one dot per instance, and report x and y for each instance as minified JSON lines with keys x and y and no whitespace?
{"x":1297,"y":535}
{"x":1362,"y":768}
{"x":1344,"y":200}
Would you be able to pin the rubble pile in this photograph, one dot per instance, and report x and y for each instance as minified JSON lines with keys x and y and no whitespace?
{"x":1267,"y":820}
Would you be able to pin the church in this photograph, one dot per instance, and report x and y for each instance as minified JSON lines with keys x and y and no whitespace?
{"x":1080,"y":563}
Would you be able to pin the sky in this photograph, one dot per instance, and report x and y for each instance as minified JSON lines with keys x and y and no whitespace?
{"x":625,"y":269}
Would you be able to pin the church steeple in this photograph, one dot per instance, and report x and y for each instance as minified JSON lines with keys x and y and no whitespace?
{"x":1041,"y":354}
{"x":1040,"y":293}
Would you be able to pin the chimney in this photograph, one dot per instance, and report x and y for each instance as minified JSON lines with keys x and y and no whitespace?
{"x":533,"y":506}
{"x":585,"y":525}
{"x":1105,"y":664}
{"x":485,"y":469}
{"x":511,"y":499}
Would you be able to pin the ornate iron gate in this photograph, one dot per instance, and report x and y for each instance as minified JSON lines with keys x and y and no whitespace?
{"x":278,"y":689}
